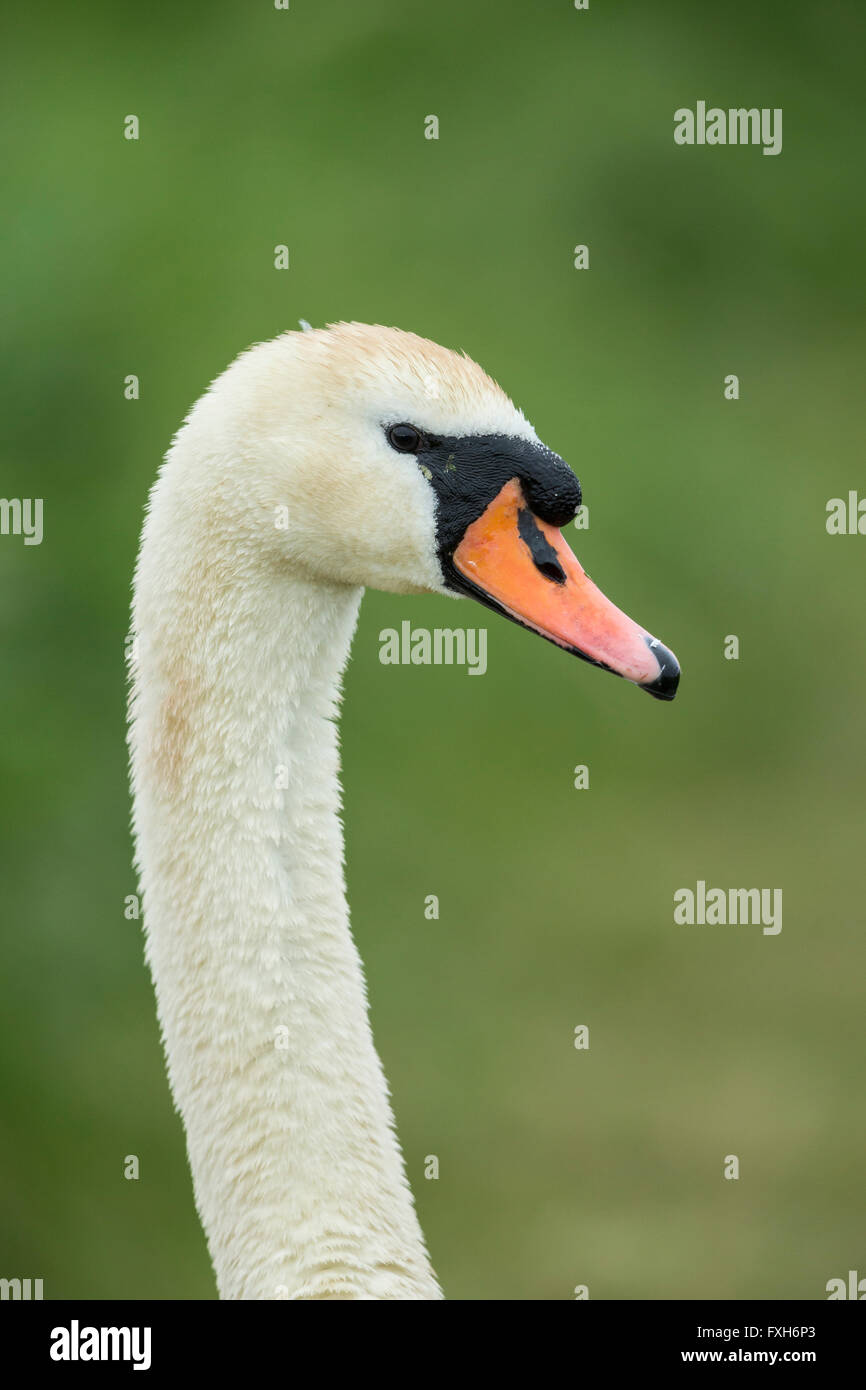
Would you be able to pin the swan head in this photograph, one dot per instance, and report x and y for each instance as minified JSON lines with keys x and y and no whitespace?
{"x":368,"y":456}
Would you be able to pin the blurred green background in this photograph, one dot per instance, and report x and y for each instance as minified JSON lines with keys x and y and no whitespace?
{"x":305,"y":127}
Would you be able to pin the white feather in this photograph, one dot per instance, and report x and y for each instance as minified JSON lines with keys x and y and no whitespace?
{"x":243,"y":627}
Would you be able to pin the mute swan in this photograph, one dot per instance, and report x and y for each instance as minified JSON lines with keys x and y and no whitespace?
{"x":317,"y":464}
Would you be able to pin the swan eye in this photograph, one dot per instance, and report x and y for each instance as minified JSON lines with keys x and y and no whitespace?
{"x":404,"y":438}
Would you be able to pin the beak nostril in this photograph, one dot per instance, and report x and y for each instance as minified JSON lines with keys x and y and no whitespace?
{"x":551,"y":569}
{"x":544,"y":556}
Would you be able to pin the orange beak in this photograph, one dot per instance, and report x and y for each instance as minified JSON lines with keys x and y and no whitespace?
{"x":521,"y":565}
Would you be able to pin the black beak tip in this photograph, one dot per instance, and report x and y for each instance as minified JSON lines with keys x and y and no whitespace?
{"x":664,"y":687}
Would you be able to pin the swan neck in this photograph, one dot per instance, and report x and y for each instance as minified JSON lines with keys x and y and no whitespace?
{"x":299,"y":1179}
